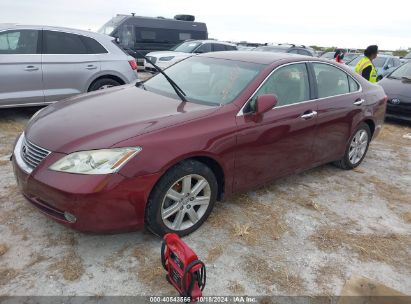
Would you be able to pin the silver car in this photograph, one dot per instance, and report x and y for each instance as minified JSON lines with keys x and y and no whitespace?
{"x":41,"y":64}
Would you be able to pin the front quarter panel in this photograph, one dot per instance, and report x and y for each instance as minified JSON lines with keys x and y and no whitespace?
{"x":212,"y":137}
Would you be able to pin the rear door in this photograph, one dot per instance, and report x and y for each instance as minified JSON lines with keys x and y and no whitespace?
{"x":20,"y":68}
{"x":68,"y":65}
{"x":281,"y":141}
{"x":340,"y":106}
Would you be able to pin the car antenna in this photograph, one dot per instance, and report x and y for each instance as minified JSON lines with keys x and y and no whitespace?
{"x":176,"y":88}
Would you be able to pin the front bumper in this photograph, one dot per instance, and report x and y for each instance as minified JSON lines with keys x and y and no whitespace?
{"x":89,"y":203}
{"x":399,"y":111}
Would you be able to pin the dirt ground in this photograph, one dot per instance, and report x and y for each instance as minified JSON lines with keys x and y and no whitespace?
{"x":303,"y":235}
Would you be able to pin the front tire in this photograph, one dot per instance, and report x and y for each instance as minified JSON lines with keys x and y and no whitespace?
{"x":182,"y":199}
{"x":103,"y":83}
{"x":357,"y":148}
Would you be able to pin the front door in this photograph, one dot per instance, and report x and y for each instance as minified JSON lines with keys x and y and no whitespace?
{"x":20,"y":68}
{"x":281,"y":141}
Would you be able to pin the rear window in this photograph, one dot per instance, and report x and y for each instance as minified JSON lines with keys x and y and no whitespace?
{"x":66,"y":43}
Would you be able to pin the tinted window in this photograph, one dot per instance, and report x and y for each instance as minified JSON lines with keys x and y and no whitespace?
{"x":204,"y":48}
{"x":218,"y":47}
{"x":331,"y":81}
{"x":147,"y":35}
{"x":63,"y":43}
{"x":184,"y":36}
{"x":18,"y":42}
{"x":93,"y":47}
{"x":289,"y":83}
{"x":294,"y":51}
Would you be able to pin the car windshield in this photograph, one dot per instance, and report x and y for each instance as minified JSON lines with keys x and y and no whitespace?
{"x":205,"y":80}
{"x":186,"y":47}
{"x":328,"y":55}
{"x":402,"y":71}
{"x":378,"y":62}
{"x":270,"y":49}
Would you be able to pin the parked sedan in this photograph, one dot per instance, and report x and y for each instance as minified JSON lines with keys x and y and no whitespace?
{"x":159,"y":154}
{"x":397,"y":86}
{"x":40,"y":64}
{"x":164,"y":59}
{"x":384,"y":64}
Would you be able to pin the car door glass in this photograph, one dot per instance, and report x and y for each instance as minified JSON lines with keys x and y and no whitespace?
{"x":218,"y":47}
{"x":303,"y":52}
{"x":289,"y":83}
{"x":19,"y":42}
{"x":63,"y":43}
{"x":204,"y":48}
{"x":354,"y":86}
{"x":293,"y":52}
{"x":331,"y":80}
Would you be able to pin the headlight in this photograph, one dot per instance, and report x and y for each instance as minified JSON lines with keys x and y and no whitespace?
{"x":166,"y":58}
{"x":103,"y":161}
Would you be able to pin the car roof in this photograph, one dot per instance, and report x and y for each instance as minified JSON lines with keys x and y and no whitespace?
{"x":14,"y":26}
{"x":211,"y":41}
{"x":259,"y":57}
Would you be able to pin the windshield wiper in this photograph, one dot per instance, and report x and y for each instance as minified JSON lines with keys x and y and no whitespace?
{"x":176,"y":88}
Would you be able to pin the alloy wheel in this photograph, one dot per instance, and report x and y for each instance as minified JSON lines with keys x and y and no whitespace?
{"x":185,"y":202}
{"x":358,"y":146}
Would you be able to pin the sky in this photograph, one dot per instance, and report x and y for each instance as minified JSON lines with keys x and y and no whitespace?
{"x":347,"y":23}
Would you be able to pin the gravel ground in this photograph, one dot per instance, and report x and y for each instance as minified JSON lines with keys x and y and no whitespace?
{"x":303,"y":235}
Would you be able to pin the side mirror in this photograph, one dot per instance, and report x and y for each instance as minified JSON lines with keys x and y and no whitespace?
{"x":265,"y":103}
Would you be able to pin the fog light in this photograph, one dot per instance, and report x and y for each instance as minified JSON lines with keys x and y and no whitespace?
{"x":70,"y":217}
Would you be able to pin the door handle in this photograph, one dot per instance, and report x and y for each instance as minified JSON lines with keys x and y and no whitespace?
{"x":309,"y":115}
{"x":359,"y":102}
{"x":31,"y":68}
{"x":91,"y":67}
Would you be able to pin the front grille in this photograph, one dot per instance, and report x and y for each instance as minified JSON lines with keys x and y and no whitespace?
{"x":32,"y":154}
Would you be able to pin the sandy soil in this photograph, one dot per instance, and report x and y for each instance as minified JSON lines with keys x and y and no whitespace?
{"x":302,"y":235}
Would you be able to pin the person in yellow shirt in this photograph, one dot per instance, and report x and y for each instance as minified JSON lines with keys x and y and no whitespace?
{"x":365,"y":67}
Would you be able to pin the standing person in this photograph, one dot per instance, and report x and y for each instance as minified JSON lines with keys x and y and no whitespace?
{"x":365,"y":67}
{"x":339,"y":55}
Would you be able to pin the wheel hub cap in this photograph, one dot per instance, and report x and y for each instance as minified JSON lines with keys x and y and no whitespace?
{"x":186,"y":202}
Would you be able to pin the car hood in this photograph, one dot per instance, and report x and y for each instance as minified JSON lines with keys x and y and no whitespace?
{"x":396,"y":87}
{"x":103,"y":118}
{"x":168,"y":53}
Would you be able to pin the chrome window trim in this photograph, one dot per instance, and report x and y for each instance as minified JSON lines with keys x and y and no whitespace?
{"x":241,"y":112}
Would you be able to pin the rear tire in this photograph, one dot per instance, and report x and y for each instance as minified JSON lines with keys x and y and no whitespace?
{"x":356,"y":149}
{"x":103,"y":83}
{"x":174,"y":204}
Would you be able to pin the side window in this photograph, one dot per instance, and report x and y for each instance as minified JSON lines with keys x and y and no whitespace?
{"x":331,"y":80}
{"x":293,"y":51}
{"x":218,"y":47}
{"x":230,"y":47}
{"x":63,"y":43}
{"x":19,"y":42}
{"x":397,"y":62}
{"x":204,"y":48}
{"x":390,"y":63}
{"x":148,"y":35}
{"x":93,"y":47}
{"x":354,"y":87}
{"x":304,"y":52}
{"x":184,"y":36}
{"x":289,"y":83}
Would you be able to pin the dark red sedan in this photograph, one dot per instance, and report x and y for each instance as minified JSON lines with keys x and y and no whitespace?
{"x":160,"y":155}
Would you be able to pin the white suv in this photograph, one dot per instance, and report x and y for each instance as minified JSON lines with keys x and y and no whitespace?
{"x":42,"y":64}
{"x":186,"y":49}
